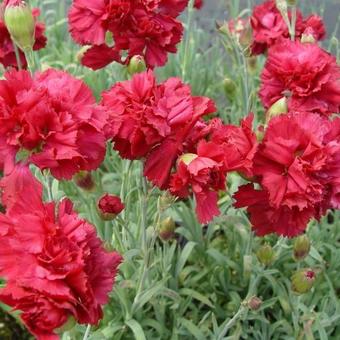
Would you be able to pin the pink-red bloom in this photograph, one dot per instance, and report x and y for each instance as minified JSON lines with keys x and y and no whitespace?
{"x":52,"y":120}
{"x":203,"y":175}
{"x":7,"y":54}
{"x":306,"y":74}
{"x":297,"y":167}
{"x":269,"y":27}
{"x":109,"y":206}
{"x":150,"y":120}
{"x":148,"y":28}
{"x":54,"y":265}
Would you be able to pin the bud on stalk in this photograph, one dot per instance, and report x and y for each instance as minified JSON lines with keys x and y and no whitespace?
{"x":20,"y":23}
{"x":302,"y":281}
{"x":266,"y":255}
{"x":136,"y":65}
{"x":167,"y":229}
{"x":301,"y":247}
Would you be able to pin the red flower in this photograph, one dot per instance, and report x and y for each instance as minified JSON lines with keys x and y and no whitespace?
{"x":7,"y":54}
{"x":267,"y":219}
{"x":305,"y":73}
{"x":239,"y":144}
{"x":204,"y":175}
{"x":54,"y":265}
{"x":146,"y":28}
{"x":269,"y":27}
{"x":150,"y":120}
{"x":53,"y":118}
{"x":290,"y":159}
{"x":109,"y":206}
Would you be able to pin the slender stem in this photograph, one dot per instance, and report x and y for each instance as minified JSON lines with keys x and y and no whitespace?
{"x":30,"y":60}
{"x":87,"y":332}
{"x":17,"y":55}
{"x":187,"y":40}
{"x":293,"y":24}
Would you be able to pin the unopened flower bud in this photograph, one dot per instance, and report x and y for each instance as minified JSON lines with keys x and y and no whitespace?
{"x":302,"y":281}
{"x":20,"y":23}
{"x":266,"y":255}
{"x":187,"y":158}
{"x":229,"y":87}
{"x":84,"y":180}
{"x":167,"y":229}
{"x":136,"y":65}
{"x":279,"y":107}
{"x":252,"y":64}
{"x":109,"y":206}
{"x":254,"y":303}
{"x":301,"y":247}
{"x":166,"y":200}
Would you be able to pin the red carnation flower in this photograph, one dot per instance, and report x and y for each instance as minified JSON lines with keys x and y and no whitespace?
{"x":54,"y":264}
{"x":204,"y":175}
{"x":150,"y":120}
{"x":7,"y":54}
{"x":266,"y":219}
{"x":290,"y":159}
{"x":269,"y":27}
{"x":297,"y":165}
{"x":109,"y":206}
{"x":306,"y":74}
{"x":146,"y":28}
{"x":239,"y":144}
{"x":53,"y":119}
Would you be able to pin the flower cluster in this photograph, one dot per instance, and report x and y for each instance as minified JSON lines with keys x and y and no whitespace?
{"x":144,"y":27}
{"x":54,"y":264}
{"x":52,"y":120}
{"x":269,"y":26}
{"x":7,"y":52}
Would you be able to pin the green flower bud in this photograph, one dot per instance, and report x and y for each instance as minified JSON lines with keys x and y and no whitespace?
{"x":229,"y":87}
{"x":20,"y":23}
{"x":279,"y":107}
{"x":136,"y":65}
{"x":266,"y":255}
{"x":302,"y":281}
{"x":301,"y":247}
{"x":167,"y":229}
{"x":254,"y":303}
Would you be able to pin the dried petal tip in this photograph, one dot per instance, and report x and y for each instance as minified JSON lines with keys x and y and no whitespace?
{"x":301,"y":247}
{"x":136,"y":65}
{"x":20,"y":23}
{"x":167,"y":229}
{"x":109,"y":206}
{"x":266,"y":255}
{"x":302,"y":281}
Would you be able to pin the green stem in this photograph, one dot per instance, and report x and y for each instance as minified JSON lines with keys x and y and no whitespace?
{"x":30,"y":60}
{"x":87,"y":332}
{"x":293,"y":24}
{"x":17,"y":56}
{"x":187,"y":40}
